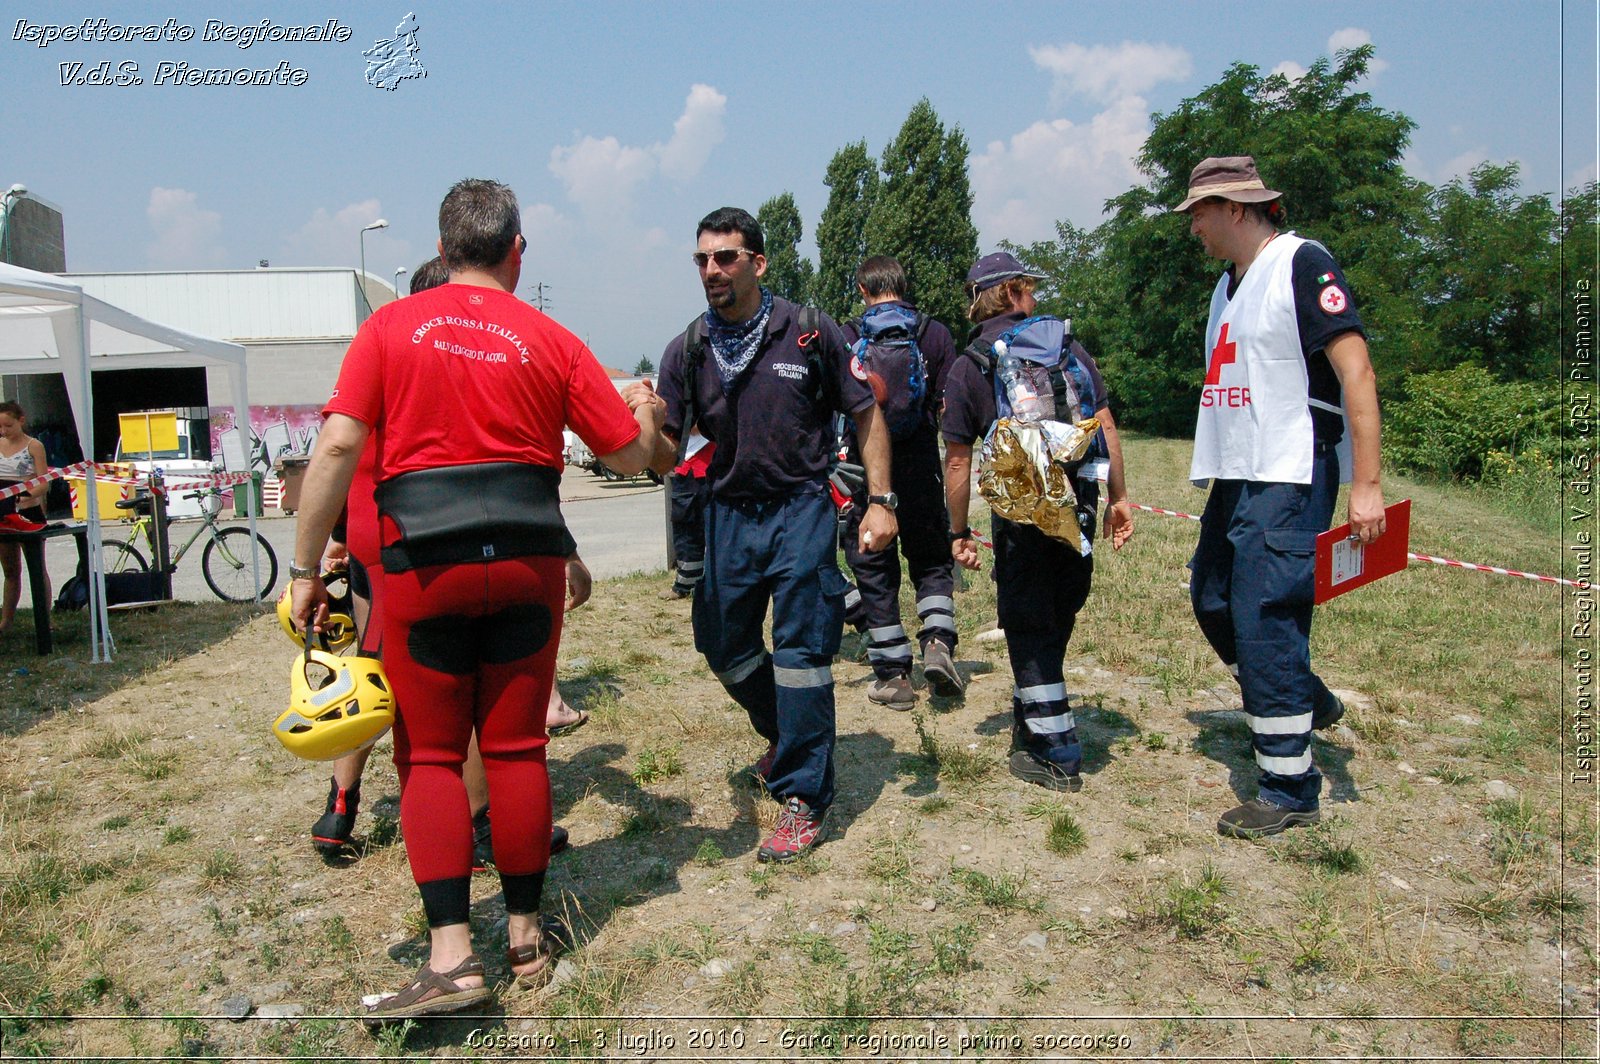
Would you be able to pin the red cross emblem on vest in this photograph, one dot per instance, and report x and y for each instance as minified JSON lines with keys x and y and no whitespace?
{"x":1221,"y":355}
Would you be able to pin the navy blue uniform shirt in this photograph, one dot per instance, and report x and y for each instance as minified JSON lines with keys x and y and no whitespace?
{"x":969,"y":407}
{"x":773,"y":437}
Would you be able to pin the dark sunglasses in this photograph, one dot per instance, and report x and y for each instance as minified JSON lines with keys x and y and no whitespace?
{"x":724,"y":257}
{"x":522,"y":244}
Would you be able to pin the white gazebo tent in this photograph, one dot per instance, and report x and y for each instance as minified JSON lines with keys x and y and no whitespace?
{"x":49,"y":325}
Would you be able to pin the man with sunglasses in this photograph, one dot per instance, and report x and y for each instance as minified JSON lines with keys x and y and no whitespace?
{"x":762,"y":379}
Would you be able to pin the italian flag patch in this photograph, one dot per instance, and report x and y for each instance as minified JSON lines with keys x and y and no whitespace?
{"x":1325,"y":278}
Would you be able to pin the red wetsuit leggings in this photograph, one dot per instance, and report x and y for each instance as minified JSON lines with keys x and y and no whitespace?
{"x":463,"y":646}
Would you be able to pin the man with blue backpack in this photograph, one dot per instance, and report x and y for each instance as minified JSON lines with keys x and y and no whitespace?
{"x":903,"y":356}
{"x":1041,"y":581}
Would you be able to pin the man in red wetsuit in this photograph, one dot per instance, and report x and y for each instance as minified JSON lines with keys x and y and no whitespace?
{"x":466,"y":389}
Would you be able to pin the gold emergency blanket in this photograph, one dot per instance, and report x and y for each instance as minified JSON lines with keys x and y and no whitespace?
{"x":1022,"y":474}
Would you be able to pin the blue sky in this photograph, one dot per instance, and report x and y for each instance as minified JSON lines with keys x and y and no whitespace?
{"x":621,"y":124}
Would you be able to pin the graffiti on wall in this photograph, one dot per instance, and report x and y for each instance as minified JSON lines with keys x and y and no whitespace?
{"x":273,"y":432}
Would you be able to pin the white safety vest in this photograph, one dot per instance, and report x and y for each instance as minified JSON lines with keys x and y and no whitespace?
{"x":1255,"y":406}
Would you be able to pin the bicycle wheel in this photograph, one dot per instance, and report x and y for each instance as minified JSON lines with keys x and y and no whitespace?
{"x":228,"y":569}
{"x":120,"y":556}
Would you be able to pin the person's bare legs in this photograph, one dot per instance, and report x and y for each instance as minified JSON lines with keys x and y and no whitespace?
{"x":11,"y":563}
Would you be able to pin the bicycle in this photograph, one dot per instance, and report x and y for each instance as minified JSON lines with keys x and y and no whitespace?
{"x":225,"y":562}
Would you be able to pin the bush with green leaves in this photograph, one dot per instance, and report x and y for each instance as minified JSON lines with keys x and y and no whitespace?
{"x":1451,"y":422}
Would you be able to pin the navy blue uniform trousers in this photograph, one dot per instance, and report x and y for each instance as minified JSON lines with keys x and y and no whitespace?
{"x":1252,"y":594}
{"x":925,"y":541}
{"x":1040,"y":585}
{"x":689,"y":495}
{"x":779,"y":551}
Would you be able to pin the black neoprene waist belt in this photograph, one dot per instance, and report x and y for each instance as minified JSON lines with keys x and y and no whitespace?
{"x":473,"y":513}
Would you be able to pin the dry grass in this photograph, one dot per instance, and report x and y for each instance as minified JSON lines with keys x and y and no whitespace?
{"x":153,"y":858}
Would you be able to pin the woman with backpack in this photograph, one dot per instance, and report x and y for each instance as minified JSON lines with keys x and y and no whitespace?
{"x":1041,"y":582}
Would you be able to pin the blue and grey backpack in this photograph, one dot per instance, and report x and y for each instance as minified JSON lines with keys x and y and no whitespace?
{"x":890,"y":346}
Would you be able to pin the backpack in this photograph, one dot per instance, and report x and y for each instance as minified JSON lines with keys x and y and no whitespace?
{"x":890,"y":347}
{"x":74,"y":594}
{"x":696,"y":344}
{"x":1034,"y":365}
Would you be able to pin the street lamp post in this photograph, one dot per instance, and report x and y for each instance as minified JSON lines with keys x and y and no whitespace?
{"x":399,"y":271}
{"x":7,"y":205}
{"x":381,"y":223}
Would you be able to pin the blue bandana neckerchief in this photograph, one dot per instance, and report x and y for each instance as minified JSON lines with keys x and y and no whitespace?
{"x":736,"y":345}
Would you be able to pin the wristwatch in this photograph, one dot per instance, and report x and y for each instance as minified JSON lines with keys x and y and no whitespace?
{"x":965,"y":533}
{"x":890,"y":501}
{"x":297,"y":573}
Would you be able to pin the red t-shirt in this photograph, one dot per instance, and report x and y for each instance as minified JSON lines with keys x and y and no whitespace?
{"x":461,"y":374}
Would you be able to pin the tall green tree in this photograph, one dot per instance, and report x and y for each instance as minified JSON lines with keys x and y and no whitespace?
{"x":1492,"y":277}
{"x":788,"y":275}
{"x":1334,"y":155}
{"x":852,"y":181}
{"x":923,"y":214}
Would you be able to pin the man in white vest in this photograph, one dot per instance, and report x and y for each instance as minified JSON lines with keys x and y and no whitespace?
{"x":1288,"y":411}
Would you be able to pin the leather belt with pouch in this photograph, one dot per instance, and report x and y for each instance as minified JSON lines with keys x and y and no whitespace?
{"x":473,"y":513}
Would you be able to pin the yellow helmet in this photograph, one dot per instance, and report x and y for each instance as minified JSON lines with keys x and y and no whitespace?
{"x":348,"y":711}
{"x":340,"y":630}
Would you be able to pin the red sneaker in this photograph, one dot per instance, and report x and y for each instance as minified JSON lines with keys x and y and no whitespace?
{"x":17,"y":523}
{"x":799,"y":831}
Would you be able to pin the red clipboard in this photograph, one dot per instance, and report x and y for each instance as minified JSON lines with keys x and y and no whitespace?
{"x":1344,"y":565}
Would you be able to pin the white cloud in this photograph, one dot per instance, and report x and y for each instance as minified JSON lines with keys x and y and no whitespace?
{"x":694,"y":134}
{"x":1289,"y":69}
{"x":334,"y":239}
{"x":1057,"y":169}
{"x":601,"y":173}
{"x":1106,"y":73}
{"x":1581,"y":176}
{"x":186,"y":235}
{"x":1353,"y":37}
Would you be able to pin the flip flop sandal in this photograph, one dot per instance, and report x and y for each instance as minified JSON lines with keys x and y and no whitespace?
{"x":430,"y":993}
{"x":555,"y":938}
{"x":571,"y":726}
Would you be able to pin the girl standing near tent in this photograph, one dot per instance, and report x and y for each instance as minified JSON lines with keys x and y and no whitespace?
{"x":21,"y":458}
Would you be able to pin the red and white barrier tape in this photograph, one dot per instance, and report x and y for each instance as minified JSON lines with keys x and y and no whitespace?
{"x":1415,"y":557}
{"x":48,"y":475}
{"x":216,"y":480}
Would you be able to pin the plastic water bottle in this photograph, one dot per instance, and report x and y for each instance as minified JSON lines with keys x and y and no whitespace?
{"x":1025,"y":402}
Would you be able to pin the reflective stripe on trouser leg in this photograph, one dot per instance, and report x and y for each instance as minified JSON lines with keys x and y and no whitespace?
{"x":1051,"y":730}
{"x":689,"y":574}
{"x":728,"y":609}
{"x":1273,"y":529}
{"x":938,"y":613}
{"x":807,"y":620}
{"x":889,"y":652}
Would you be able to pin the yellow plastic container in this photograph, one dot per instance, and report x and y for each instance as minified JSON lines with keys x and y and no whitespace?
{"x":109,"y":495}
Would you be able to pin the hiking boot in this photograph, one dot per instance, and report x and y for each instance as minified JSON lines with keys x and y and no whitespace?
{"x":1257,"y":819}
{"x":672,"y":594}
{"x":895,"y":692}
{"x":1328,"y":711}
{"x":762,"y":769}
{"x":799,"y":831}
{"x":1031,"y":768}
{"x":939,"y":669}
{"x":483,"y":842}
{"x":331,"y":834}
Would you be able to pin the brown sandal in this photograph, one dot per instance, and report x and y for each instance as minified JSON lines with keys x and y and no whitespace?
{"x":554,"y":939}
{"x":430,"y":993}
